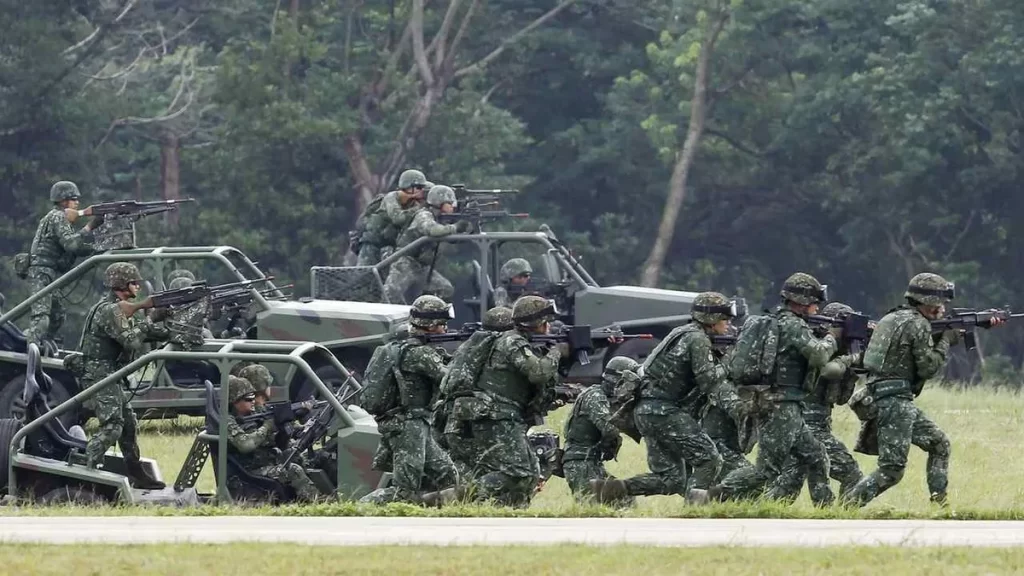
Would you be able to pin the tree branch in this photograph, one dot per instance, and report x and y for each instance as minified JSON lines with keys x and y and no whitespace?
{"x":438,"y":44}
{"x":89,"y":38}
{"x":734,"y":143}
{"x":483,"y":62}
{"x":418,"y":53}
{"x":461,"y":33}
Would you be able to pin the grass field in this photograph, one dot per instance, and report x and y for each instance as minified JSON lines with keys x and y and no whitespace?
{"x":986,"y":471}
{"x":244,"y":559}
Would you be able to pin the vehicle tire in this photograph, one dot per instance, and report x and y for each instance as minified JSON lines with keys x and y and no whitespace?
{"x":77,"y":495}
{"x":12,"y":404}
{"x":638,"y":350}
{"x":8,"y":428}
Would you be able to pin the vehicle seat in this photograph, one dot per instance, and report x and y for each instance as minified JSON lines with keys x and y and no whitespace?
{"x":52,"y":440}
{"x":242,"y":484}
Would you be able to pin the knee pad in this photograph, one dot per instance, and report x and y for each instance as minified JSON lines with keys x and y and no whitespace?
{"x":941,"y":447}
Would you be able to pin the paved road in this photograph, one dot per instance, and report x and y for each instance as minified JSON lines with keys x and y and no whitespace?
{"x":463,"y":531}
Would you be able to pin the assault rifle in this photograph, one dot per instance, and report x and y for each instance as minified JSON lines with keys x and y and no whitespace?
{"x":857,"y":328}
{"x":464,"y":333}
{"x":581,"y":339}
{"x":967,"y":320}
{"x":283,"y":412}
{"x":318,"y":425}
{"x":720,"y":341}
{"x":133,"y":208}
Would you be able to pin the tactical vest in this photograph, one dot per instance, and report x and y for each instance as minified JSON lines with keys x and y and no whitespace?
{"x":410,"y":234}
{"x":501,"y":381}
{"x":790,"y":365}
{"x":415,"y":391}
{"x":101,"y":354}
{"x":668,"y":372}
{"x":580,"y":433}
{"x":46,"y":250}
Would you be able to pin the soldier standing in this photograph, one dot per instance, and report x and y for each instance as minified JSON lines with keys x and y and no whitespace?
{"x":396,"y":209}
{"x":900,"y":357}
{"x":414,"y":267}
{"x":834,"y":384}
{"x":677,"y":379}
{"x":255,"y":447}
{"x":115,"y":333}
{"x":512,"y":278}
{"x":418,"y":459}
{"x":590,"y":437}
{"x":54,"y":249}
{"x":782,"y":431}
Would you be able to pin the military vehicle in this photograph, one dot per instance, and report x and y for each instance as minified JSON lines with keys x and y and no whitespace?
{"x":349,"y":330}
{"x":43,"y":461}
{"x":473,"y":261}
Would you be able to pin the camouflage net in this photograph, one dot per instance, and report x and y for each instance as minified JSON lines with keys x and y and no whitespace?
{"x":349,"y":283}
{"x":115,"y":233}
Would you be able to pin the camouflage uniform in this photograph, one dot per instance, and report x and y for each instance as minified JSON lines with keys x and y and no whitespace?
{"x":412,"y":268}
{"x":782,"y":431}
{"x":590,"y":436}
{"x":385,"y":224}
{"x":254,"y":447}
{"x":509,"y":270}
{"x":900,"y":357}
{"x":110,"y":341}
{"x":514,"y":391}
{"x":54,"y":249}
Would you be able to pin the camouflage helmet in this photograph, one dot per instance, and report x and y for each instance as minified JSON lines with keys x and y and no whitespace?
{"x":411,"y":178}
{"x":428,"y":311}
{"x":119,"y":274}
{"x":498,"y":319}
{"x":428,"y":185}
{"x":804,"y":289}
{"x":64,"y":190}
{"x":258,"y":376}
{"x":179,"y":283}
{"x":514,"y":267}
{"x":180,"y":273}
{"x":930,"y":289}
{"x":836,"y":309}
{"x":711,"y":308}
{"x":613,"y":371}
{"x":440,"y":195}
{"x":239,"y":388}
{"x":532,"y":311}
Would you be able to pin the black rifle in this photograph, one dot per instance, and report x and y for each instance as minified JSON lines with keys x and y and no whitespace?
{"x":462,"y":192}
{"x":136,"y":208}
{"x":966,"y":320}
{"x":464,"y":333}
{"x":476,"y":215}
{"x":857,"y":328}
{"x":242,"y":295}
{"x":282,"y":412}
{"x":318,"y":425}
{"x":581,"y":339}
{"x":722,"y":340}
{"x":196,"y":292}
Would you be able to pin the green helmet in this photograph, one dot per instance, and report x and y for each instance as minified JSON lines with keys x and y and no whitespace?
{"x":836,"y":309}
{"x":180,"y":273}
{"x":411,"y":178}
{"x":613,"y":371}
{"x":258,"y":376}
{"x":711,"y":308}
{"x":64,"y":190}
{"x":532,"y":311}
{"x":120,"y":274}
{"x":498,"y":319}
{"x":428,"y":311}
{"x":440,"y":195}
{"x":179,"y":283}
{"x":804,"y":289}
{"x":514,"y":267}
{"x":239,"y":388}
{"x":930,"y":289}
{"x":428,"y":185}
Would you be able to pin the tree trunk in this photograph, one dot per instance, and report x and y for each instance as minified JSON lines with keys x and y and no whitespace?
{"x":170,"y":172}
{"x":365,"y":181}
{"x":677,"y":185}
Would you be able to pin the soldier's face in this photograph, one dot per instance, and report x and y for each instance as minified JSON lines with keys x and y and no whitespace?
{"x":812,"y":308}
{"x":262,"y":398}
{"x":933,"y":312}
{"x":447,"y":208}
{"x":720,"y":327}
{"x":521,"y":280}
{"x":133,"y":289}
{"x":72,"y":203}
{"x":243,"y":407}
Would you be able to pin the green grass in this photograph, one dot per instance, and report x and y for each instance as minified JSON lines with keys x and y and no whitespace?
{"x":985,"y":473}
{"x":276,"y":559}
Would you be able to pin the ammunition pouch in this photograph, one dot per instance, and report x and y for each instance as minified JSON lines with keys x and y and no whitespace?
{"x":760,"y":398}
{"x":886,"y":388}
{"x":21,"y":265}
{"x":867,"y":439}
{"x":863,"y":405}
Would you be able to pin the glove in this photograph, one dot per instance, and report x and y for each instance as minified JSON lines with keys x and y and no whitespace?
{"x":463,"y":226}
{"x":610,"y":449}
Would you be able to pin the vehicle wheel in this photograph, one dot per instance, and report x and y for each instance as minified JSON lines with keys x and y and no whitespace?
{"x":638,"y":350}
{"x":8,"y":428}
{"x":12,"y":403}
{"x":76,"y":495}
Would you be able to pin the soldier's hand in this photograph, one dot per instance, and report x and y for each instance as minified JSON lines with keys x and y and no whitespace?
{"x":463,"y":226}
{"x":71,"y":214}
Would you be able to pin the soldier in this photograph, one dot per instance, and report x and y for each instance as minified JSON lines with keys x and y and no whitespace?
{"x":396,"y":210}
{"x":54,"y":249}
{"x":834,"y":384}
{"x":414,"y":267}
{"x":782,"y":431}
{"x":417,"y":456}
{"x":514,"y":391}
{"x":724,"y":427}
{"x":255,"y":447}
{"x":900,"y":357}
{"x":261,"y":380}
{"x":180,"y":273}
{"x":115,"y":332}
{"x":590,"y":436}
{"x":514,"y":275}
{"x":677,"y":379}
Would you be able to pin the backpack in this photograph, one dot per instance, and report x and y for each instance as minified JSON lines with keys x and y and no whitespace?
{"x":467,"y":364}
{"x":360,"y":227}
{"x":622,"y":403}
{"x":752,"y":360}
{"x":380,"y":392}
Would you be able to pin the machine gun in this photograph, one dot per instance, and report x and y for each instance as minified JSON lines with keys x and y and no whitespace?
{"x":117,"y":230}
{"x":857,"y":328}
{"x":283,"y":412}
{"x":319,"y":424}
{"x":198,"y":291}
{"x":581,"y":339}
{"x":967,"y":320}
{"x":241,"y":296}
{"x":133,"y":208}
{"x":463,"y":193}
{"x":477,"y":215}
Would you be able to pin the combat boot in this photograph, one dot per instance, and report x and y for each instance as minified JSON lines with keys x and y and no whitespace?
{"x":608,"y":491}
{"x":445,"y":497}
{"x":140,"y":477}
{"x":939,"y":498}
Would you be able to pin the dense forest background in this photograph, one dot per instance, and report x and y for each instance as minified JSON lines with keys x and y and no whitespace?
{"x":680,"y":143}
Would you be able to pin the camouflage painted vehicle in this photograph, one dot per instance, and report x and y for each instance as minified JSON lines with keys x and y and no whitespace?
{"x":349,"y":330}
{"x":473,"y":261}
{"x":43,"y":461}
